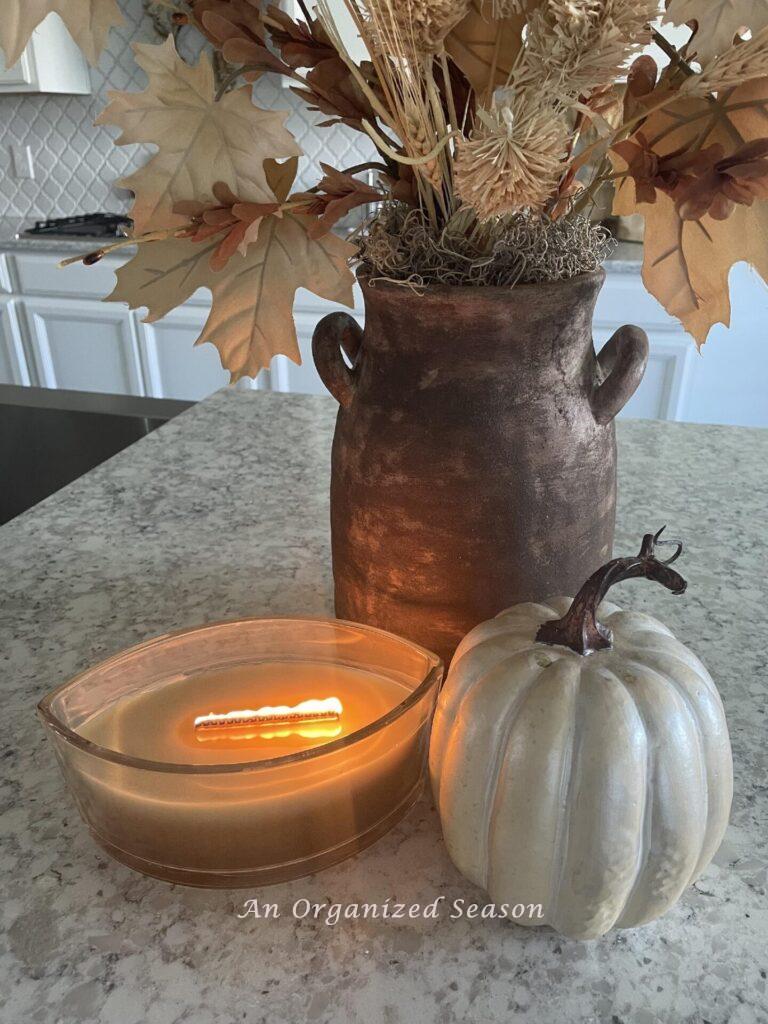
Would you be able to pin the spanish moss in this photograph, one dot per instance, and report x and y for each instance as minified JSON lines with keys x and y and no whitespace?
{"x":401,"y":246}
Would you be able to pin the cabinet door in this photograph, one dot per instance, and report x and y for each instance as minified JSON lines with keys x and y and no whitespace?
{"x":52,"y":62}
{"x":174,"y":367}
{"x":308,"y":312}
{"x":84,"y":346}
{"x":664,"y":389}
{"x":13,"y":362}
{"x":19,"y":78}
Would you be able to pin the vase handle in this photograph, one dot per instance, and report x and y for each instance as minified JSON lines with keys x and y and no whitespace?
{"x":335,"y":333}
{"x":622,"y":360}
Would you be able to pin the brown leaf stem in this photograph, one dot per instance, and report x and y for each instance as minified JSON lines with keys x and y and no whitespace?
{"x":666,"y":47}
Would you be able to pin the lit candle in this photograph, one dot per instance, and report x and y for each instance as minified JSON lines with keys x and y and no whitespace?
{"x":254,"y":772}
{"x":164,"y":723}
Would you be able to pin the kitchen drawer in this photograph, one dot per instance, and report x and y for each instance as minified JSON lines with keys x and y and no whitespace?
{"x":37,"y":273}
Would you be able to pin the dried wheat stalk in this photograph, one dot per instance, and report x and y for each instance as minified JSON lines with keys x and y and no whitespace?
{"x":744,"y":61}
{"x":575,"y":46}
{"x":418,"y":25}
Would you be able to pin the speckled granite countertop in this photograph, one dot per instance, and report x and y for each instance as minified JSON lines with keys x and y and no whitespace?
{"x":625,"y":260}
{"x":223,"y":512}
{"x":11,"y":228}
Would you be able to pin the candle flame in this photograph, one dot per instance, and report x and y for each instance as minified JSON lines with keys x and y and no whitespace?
{"x":271,"y":722}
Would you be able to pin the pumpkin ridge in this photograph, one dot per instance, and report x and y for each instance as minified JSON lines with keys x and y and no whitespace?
{"x":443,"y":749}
{"x":609,"y":866}
{"x":490,"y":797}
{"x":564,"y":798}
{"x":705,"y":678}
{"x":684,"y":697}
{"x":530,"y":609}
{"x":469,"y":644}
{"x":521,"y":850}
{"x":695,"y":665}
{"x":438,"y":746}
{"x":649,"y":623}
{"x":644,"y":850}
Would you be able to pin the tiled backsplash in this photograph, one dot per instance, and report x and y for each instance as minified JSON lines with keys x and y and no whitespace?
{"x":77,"y":164}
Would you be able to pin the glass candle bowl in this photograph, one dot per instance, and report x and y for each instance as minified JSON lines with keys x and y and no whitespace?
{"x":270,"y":799}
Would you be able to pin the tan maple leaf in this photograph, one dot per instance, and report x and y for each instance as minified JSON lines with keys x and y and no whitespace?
{"x":200,"y":141}
{"x":251,"y":318}
{"x":718,"y":22}
{"x":686,"y":262}
{"x":88,"y":22}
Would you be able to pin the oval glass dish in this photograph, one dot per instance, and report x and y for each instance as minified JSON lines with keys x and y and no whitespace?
{"x":158,"y":796}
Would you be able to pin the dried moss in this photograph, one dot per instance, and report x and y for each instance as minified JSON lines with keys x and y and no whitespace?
{"x":399,"y":245}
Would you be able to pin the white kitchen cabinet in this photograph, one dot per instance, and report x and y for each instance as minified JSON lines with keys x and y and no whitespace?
{"x":51,"y":63}
{"x":173,"y":365}
{"x":56,"y":332}
{"x":38,"y":274}
{"x":303,"y":379}
{"x":664,"y":388}
{"x":83,"y":346}
{"x":725,"y":382}
{"x":13,"y":360}
{"x":663,"y":392}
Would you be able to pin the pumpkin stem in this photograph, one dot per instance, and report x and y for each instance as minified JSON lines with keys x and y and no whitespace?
{"x":579,"y":628}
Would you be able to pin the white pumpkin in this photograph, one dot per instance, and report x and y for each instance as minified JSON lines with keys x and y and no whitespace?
{"x":598,"y":784}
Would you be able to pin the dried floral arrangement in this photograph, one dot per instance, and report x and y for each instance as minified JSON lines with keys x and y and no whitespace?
{"x":495,"y":123}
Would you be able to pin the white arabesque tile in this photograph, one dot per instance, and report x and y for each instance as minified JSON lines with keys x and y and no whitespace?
{"x":77,"y":164}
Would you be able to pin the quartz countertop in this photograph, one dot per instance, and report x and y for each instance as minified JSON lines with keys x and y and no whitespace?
{"x":625,"y":259}
{"x":11,"y":240}
{"x":224,"y":512}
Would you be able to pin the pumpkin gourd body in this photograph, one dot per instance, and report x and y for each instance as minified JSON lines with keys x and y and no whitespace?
{"x":598,"y":786}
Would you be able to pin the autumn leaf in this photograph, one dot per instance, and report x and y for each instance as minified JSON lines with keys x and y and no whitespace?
{"x":252,"y":313}
{"x":88,"y":22}
{"x":163,"y":275}
{"x":280,"y":176}
{"x":301,"y":44}
{"x":336,"y":195}
{"x":687,"y":262}
{"x":251,"y":318}
{"x":718,"y":21}
{"x":237,"y":30}
{"x":484,"y":47}
{"x":331,"y":89}
{"x":221,"y":20}
{"x":235,"y":224}
{"x":200,"y":141}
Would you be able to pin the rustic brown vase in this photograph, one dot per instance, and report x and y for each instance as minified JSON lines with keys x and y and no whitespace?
{"x":474,"y":460}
